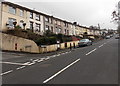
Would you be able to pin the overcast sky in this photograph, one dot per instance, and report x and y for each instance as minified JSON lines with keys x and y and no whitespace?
{"x":85,"y":12}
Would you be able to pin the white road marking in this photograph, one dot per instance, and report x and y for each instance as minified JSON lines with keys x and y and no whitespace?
{"x":54,"y":56}
{"x":32,"y":63}
{"x":27,"y":63}
{"x":104,"y":43}
{"x":47,"y":58}
{"x":43,"y":58}
{"x":20,"y":67}
{"x":62,"y":53}
{"x":61,"y":71}
{"x":40,"y":60}
{"x":100,"y":46}
{"x":31,"y":59}
{"x":66,"y":52}
{"x":6,"y":72}
{"x":35,"y":60}
{"x":13,"y":63}
{"x":58,"y":55}
{"x":91,"y":51}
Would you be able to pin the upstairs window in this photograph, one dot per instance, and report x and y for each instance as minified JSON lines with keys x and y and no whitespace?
{"x":12,"y":10}
{"x":21,"y":13}
{"x":46,"y":27}
{"x":55,"y":21}
{"x":37,"y":17}
{"x":58,"y":22}
{"x":31,"y":25}
{"x":51,"y":21}
{"x":31,"y":15}
{"x":46,"y":19}
{"x":66,"y":24}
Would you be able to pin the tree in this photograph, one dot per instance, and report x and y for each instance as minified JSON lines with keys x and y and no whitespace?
{"x":116,"y":16}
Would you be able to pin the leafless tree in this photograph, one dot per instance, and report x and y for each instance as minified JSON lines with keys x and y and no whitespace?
{"x":116,"y":16}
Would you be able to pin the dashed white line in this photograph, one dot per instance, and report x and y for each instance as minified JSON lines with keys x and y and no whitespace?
{"x":40,"y":60}
{"x":104,"y":43}
{"x":32,"y":63}
{"x":91,"y":51}
{"x":61,"y":71}
{"x":54,"y":56}
{"x":35,"y":60}
{"x":27,"y":63}
{"x":100,"y":46}
{"x":20,"y":67}
{"x":47,"y":58}
{"x":13,"y":63}
{"x":6,"y":72}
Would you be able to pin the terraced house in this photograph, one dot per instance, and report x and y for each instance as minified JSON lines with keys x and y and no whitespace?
{"x":29,"y":19}
{"x":13,"y":14}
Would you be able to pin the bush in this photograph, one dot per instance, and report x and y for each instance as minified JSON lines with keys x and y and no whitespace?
{"x":46,"y":40}
{"x":18,"y":27}
{"x":52,"y":40}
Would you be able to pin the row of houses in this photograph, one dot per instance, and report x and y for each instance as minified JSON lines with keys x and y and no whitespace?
{"x":13,"y":14}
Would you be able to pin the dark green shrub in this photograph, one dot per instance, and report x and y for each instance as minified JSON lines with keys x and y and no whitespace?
{"x":18,"y":27}
{"x":46,"y":40}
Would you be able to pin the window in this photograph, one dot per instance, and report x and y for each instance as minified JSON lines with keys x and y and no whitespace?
{"x":51,"y":29}
{"x":58,"y":22}
{"x":37,"y":28}
{"x":46,"y":19}
{"x":11,"y":20}
{"x":37,"y":17}
{"x":55,"y":21}
{"x":59,"y":30}
{"x":21,"y":13}
{"x":31,"y":25}
{"x":12,"y":10}
{"x":65,"y":31}
{"x":31,"y":15}
{"x":51,"y":21}
{"x":47,"y":27}
{"x":21,"y":24}
{"x":56,"y":30}
{"x":66,"y":24}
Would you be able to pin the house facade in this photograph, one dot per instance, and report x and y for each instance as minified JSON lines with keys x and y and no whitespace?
{"x":14,"y":15}
{"x":29,"y":19}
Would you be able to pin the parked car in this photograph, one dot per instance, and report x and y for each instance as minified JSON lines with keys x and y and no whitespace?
{"x":111,"y":35}
{"x":107,"y":37}
{"x":84,"y":42}
{"x":117,"y":37}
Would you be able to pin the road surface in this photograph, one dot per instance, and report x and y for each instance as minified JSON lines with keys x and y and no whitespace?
{"x":96,"y":64}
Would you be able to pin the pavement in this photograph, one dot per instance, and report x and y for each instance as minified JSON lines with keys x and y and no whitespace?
{"x":96,"y":64}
